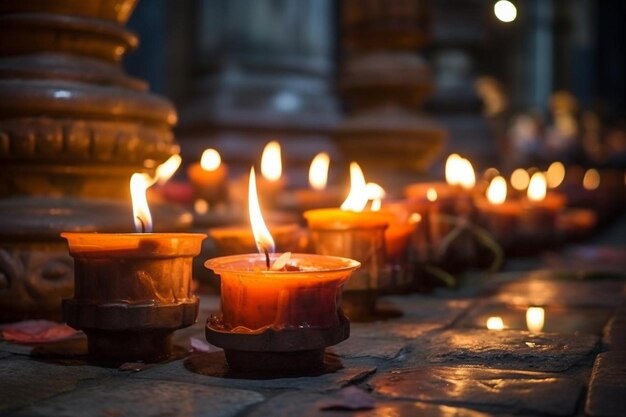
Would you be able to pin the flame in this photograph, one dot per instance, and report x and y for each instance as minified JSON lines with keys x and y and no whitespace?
{"x":201,"y":206}
{"x":262,"y":236}
{"x":555,"y":174}
{"x":431,"y":194}
{"x":495,"y":323}
{"x":139,"y":183}
{"x":271,"y":164}
{"x":210,"y":160}
{"x":376,"y":193}
{"x":357,"y":198}
{"x":520,"y":179}
{"x":415,"y":218}
{"x":467,"y":176}
{"x":452,"y":169}
{"x":537,"y":187}
{"x":318,"y":171}
{"x":165,"y":171}
{"x":496,"y":192}
{"x":535,"y":318}
{"x":591,"y":180}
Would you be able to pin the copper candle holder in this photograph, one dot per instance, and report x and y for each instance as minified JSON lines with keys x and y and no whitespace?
{"x":279,"y":321}
{"x":132,"y":291}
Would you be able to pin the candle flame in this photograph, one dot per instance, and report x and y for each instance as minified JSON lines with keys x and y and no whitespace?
{"x":591,"y":180}
{"x":210,"y":160}
{"x":495,"y":323}
{"x":535,"y":319}
{"x":520,"y":179}
{"x":318,"y":171}
{"x":271,"y":164}
{"x":496,"y":192}
{"x":467,"y":176}
{"x":375,"y":193}
{"x":537,"y":187}
{"x":452,"y":169}
{"x":201,"y":206}
{"x":262,"y":236}
{"x":431,"y":194}
{"x":357,"y":198}
{"x":555,"y":174}
{"x":415,"y":218}
{"x":166,"y":170}
{"x":139,"y":183}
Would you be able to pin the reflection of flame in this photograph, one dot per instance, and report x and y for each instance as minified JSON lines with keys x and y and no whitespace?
{"x":537,"y":187}
{"x":555,"y":174}
{"x":496,"y":192}
{"x":139,"y":183}
{"x":165,"y":171}
{"x":591,"y":180}
{"x":318,"y":171}
{"x":520,"y":179}
{"x":467,"y":177}
{"x":357,"y":198}
{"x":535,"y":317}
{"x":271,"y":164}
{"x":495,"y":323}
{"x":376,"y":193}
{"x":431,"y":194}
{"x":262,"y":236}
{"x":210,"y":160}
{"x":452,"y":169}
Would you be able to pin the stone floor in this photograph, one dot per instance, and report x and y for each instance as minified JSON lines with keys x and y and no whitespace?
{"x":438,"y":359}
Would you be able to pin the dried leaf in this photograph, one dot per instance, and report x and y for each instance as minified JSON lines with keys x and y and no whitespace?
{"x":36,"y":331}
{"x":349,"y":398}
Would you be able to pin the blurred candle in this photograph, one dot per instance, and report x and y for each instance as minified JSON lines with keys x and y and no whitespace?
{"x":555,"y":174}
{"x":210,"y":177}
{"x":535,"y":318}
{"x":495,"y":323}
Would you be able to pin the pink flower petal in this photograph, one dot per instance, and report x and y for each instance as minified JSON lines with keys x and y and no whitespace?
{"x":36,"y":331}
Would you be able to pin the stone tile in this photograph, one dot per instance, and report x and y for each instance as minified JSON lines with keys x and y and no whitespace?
{"x":24,"y":382}
{"x":607,"y":390}
{"x":307,"y":405}
{"x":425,"y":309}
{"x":569,"y":293}
{"x":508,"y":349}
{"x":370,"y":347}
{"x":144,"y":398}
{"x":495,"y":389}
{"x":556,"y":319}
{"x":177,"y":371}
{"x":615,"y":332}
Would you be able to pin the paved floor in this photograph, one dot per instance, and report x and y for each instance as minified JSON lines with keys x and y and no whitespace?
{"x":438,"y":359}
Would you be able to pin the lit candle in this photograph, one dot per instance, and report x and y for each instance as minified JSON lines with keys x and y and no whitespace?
{"x":535,"y":318}
{"x":495,"y":323}
{"x":210,"y":177}
{"x":272,"y":181}
{"x":132,"y":289}
{"x":282,"y":294}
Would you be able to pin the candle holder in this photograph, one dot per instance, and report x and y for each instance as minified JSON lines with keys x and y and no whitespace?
{"x":279,"y":321}
{"x":132,"y":291}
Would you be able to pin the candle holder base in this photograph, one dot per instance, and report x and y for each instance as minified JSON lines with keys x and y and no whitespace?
{"x":130,"y":332}
{"x":286,"y":351}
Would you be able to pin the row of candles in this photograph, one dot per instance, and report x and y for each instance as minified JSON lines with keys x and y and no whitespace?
{"x":288,"y":292}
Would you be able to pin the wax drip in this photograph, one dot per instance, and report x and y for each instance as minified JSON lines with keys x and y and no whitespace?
{"x":143,"y":225}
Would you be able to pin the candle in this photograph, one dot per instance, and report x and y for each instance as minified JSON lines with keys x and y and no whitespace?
{"x":271,"y":182}
{"x":535,"y":319}
{"x":539,"y":219}
{"x":232,"y":240}
{"x":210,"y":177}
{"x":132,"y":290}
{"x":278,"y":299}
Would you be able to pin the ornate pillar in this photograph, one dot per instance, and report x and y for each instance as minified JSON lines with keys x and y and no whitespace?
{"x":73,"y":128}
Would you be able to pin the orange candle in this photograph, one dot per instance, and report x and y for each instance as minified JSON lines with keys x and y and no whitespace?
{"x":210,"y":177}
{"x":271,"y":182}
{"x":233,"y":240}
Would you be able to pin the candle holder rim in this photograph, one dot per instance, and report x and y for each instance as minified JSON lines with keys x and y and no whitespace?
{"x":350,"y":264}
{"x":105,"y":235}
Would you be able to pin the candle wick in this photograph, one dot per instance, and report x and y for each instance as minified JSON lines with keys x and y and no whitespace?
{"x":143,"y":225}
{"x":267,"y":256}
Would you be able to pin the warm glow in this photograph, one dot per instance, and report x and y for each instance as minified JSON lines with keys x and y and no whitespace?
{"x":201,"y":206}
{"x":505,"y":11}
{"x":357,"y":198}
{"x":520,"y":179}
{"x":211,"y":160}
{"x":467,"y":177}
{"x":415,"y":218}
{"x":496,"y":192}
{"x":376,"y":193}
{"x":139,"y":183}
{"x":262,"y":236}
{"x":431,"y":194}
{"x":495,"y":323}
{"x":537,"y":187}
{"x":318,"y":171}
{"x":535,"y":318}
{"x":555,"y":174}
{"x":491,"y":173}
{"x":452,"y":169}
{"x":591,"y":180}
{"x":165,"y":171}
{"x":271,"y":164}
